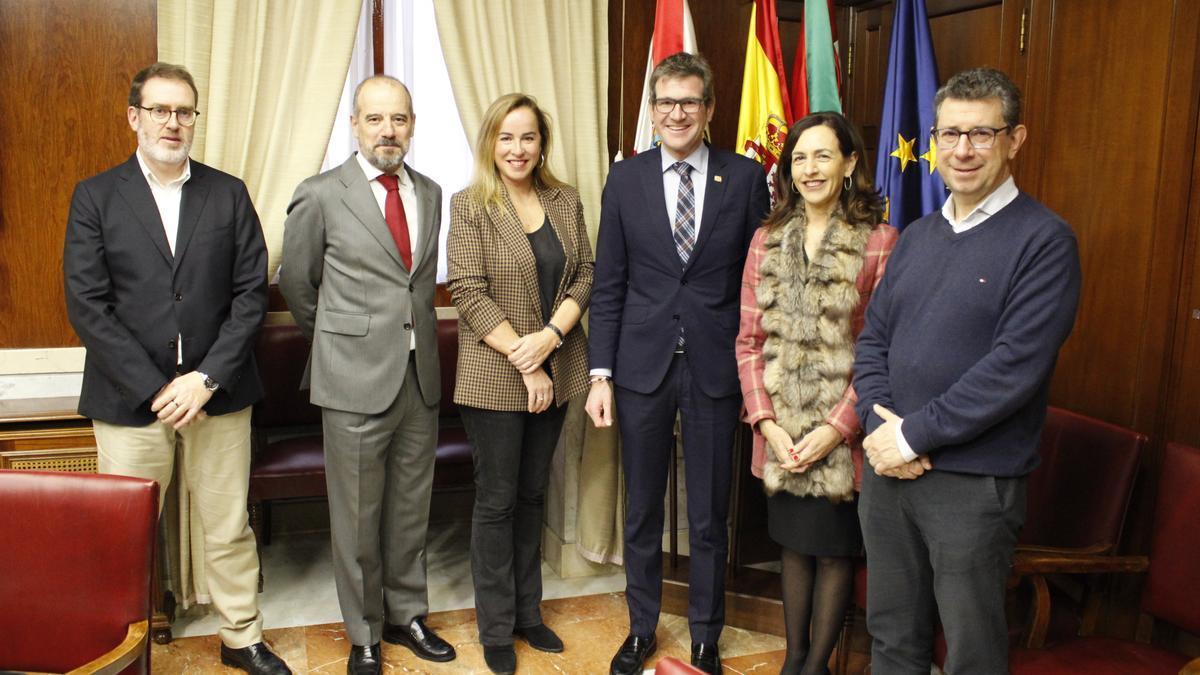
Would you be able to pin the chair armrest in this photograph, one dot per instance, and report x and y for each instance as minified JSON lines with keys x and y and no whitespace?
{"x":1068,"y":561}
{"x":122,"y":655}
{"x":1035,"y":564}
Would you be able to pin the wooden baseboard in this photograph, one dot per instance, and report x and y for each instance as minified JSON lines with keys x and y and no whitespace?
{"x":752,"y":597}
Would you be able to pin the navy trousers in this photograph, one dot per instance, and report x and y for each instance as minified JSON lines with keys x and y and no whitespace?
{"x":647,"y":423}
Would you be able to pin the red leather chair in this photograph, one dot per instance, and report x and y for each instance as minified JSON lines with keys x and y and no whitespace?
{"x":1077,"y":501}
{"x":1171,"y":592}
{"x":1079,"y":494}
{"x":1076,"y":504}
{"x":669,"y":665}
{"x":76,"y":551}
{"x":289,"y":459}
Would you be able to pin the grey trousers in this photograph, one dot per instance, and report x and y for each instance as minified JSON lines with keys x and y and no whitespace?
{"x":941,"y":543}
{"x":379,"y":473}
{"x":512,"y":453}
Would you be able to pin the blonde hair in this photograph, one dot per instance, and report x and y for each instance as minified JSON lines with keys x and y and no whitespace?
{"x":486,"y":185}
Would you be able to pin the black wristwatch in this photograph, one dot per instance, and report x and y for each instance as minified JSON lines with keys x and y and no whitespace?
{"x":209,"y":383}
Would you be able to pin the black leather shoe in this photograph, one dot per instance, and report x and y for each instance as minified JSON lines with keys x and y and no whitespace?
{"x":706,"y":657}
{"x":422,"y":641}
{"x":540,"y":637}
{"x":631,"y":657}
{"x":501,"y":660}
{"x":256,"y":659}
{"x":365,"y":660}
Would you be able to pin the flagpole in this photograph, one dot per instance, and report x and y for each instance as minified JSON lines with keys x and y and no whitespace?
{"x":621,"y":97}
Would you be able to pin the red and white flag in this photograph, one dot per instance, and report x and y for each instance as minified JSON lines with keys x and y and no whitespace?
{"x":674,"y":32}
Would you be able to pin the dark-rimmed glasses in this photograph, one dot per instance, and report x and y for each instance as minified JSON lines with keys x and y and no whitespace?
{"x":980,"y":138}
{"x":666,"y":106}
{"x":160,"y":114}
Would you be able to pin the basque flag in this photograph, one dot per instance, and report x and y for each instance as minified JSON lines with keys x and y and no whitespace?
{"x":906,"y":170}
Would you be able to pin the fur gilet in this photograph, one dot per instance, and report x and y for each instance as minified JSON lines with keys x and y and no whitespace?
{"x":808,"y":353}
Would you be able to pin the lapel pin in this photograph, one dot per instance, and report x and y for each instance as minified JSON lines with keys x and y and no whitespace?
{"x":716,"y":179}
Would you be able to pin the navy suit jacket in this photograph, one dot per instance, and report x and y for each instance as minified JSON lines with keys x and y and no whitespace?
{"x":642,"y":293}
{"x":130,"y":299}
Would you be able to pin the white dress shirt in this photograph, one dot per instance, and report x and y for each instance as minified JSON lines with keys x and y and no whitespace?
{"x":1000,"y":198}
{"x":168,"y":197}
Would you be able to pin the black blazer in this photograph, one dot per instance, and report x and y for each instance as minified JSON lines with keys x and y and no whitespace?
{"x":129,"y":299}
{"x":642,"y":293}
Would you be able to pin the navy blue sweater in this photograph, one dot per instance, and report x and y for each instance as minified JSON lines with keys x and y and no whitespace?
{"x":962,"y":334}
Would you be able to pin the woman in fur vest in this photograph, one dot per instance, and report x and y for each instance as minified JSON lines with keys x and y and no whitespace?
{"x":810,"y":271}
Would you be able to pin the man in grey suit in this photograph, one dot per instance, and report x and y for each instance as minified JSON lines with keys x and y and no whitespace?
{"x":359,"y":268}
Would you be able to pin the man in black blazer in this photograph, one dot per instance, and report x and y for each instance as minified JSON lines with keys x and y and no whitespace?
{"x":675,"y":225}
{"x":165,"y":271}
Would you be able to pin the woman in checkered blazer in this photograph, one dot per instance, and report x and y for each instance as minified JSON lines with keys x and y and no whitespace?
{"x":520,"y":276}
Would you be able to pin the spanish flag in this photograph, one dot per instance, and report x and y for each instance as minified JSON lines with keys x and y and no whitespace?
{"x":763,"y":120}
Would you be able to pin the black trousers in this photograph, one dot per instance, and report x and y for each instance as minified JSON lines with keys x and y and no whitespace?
{"x":647,"y":423}
{"x":941,"y":543}
{"x":512,"y":453}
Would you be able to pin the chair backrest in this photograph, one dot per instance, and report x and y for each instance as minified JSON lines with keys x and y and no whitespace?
{"x":447,"y":331}
{"x":282,"y":353}
{"x":1172,"y":590}
{"x":1079,"y":494}
{"x":76,"y":551}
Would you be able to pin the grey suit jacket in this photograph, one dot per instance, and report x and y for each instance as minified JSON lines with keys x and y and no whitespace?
{"x":352,"y":296}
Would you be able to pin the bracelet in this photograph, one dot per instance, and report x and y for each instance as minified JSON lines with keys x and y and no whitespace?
{"x":595,"y":379}
{"x":556,"y":332}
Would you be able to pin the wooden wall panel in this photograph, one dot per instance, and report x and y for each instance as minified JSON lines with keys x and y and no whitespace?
{"x":65,"y":68}
{"x":966,"y":39}
{"x":1099,"y":166}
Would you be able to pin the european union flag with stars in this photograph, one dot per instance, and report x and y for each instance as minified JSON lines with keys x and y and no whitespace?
{"x":906,"y":169}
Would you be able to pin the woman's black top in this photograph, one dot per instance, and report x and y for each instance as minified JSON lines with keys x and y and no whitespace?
{"x":548,"y":252}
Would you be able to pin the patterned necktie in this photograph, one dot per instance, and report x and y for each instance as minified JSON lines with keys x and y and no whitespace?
{"x":397,"y":222}
{"x":684,"y":230}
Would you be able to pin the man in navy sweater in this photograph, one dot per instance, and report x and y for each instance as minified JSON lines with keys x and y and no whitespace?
{"x":953,"y":374}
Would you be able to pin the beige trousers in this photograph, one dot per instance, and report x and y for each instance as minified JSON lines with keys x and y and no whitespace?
{"x":216,"y":468}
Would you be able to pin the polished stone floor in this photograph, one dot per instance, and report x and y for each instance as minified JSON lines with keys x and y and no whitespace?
{"x":591,"y":627}
{"x":303,"y":622}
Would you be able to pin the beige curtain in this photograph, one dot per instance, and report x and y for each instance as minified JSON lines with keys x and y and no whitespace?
{"x":558,"y":52}
{"x":270,"y":74}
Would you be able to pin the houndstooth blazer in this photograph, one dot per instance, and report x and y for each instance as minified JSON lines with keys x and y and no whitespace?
{"x":493,"y":277}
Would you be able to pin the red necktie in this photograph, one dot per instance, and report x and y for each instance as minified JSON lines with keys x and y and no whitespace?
{"x":397,"y":222}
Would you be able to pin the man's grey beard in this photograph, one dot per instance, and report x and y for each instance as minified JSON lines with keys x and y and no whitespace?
{"x":386,"y":163}
{"x":154,"y":151}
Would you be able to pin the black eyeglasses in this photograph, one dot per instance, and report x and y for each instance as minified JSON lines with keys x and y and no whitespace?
{"x":160,"y":114}
{"x":980,"y":138}
{"x":666,"y":106}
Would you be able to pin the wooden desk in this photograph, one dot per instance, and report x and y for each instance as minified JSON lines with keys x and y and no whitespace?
{"x":46,"y":434}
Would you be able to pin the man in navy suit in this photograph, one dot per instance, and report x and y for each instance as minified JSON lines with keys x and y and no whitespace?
{"x":675,"y":225}
{"x":165,"y":271}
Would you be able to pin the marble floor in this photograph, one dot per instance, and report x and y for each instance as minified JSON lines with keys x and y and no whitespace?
{"x":303,"y":622}
{"x":591,"y":626}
